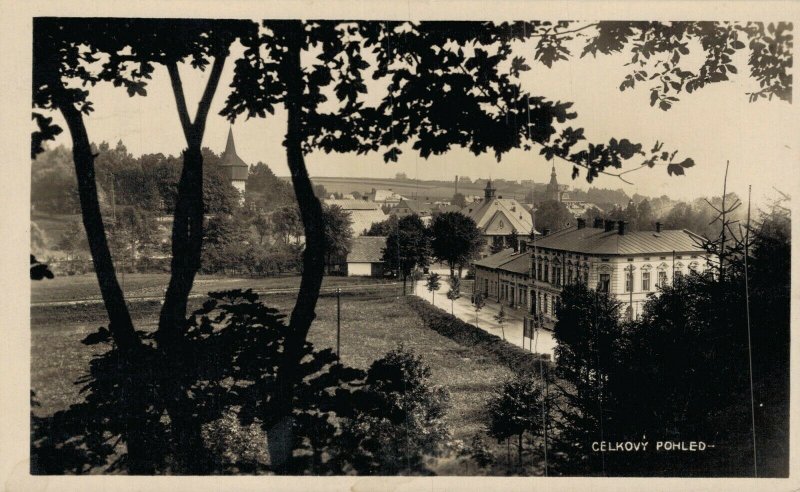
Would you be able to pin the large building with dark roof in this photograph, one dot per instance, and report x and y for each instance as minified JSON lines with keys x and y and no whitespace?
{"x":629,"y":265}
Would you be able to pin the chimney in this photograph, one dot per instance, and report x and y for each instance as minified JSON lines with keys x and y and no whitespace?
{"x":581,"y":223}
{"x":621,"y":227}
{"x":598,"y":223}
{"x":609,"y":226}
{"x":658,"y":226}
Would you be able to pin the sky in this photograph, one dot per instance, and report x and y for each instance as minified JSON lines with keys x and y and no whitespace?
{"x":712,"y":126}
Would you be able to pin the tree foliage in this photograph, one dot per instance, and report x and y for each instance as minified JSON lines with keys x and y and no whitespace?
{"x":455,"y":240}
{"x":407,"y":247}
{"x":515,"y":410}
{"x":552,"y":215}
{"x":399,"y":418}
{"x":338,"y":234}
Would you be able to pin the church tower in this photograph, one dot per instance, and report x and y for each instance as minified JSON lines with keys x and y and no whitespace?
{"x":233,"y":166}
{"x":552,"y":186}
{"x":554,"y":190}
{"x":488,"y":192}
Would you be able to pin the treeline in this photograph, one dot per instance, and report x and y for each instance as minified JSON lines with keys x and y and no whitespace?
{"x":148,"y":182}
{"x":641,"y":214}
{"x":137,"y":197}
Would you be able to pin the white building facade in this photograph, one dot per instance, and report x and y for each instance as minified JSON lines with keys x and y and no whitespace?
{"x":630,"y":266}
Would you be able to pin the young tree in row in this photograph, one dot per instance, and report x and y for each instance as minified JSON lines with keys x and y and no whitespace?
{"x":478,"y":302}
{"x":501,"y":317}
{"x":454,"y":293}
{"x":455,"y":240}
{"x":433,"y":285}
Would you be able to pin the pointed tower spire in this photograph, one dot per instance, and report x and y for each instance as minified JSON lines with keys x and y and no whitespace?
{"x":230,"y":147}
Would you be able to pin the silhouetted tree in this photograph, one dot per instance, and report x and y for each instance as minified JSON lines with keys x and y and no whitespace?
{"x":455,"y":239}
{"x":407,"y":247}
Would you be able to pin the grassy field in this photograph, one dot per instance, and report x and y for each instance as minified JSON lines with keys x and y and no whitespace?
{"x":68,"y":288}
{"x":372,"y":324}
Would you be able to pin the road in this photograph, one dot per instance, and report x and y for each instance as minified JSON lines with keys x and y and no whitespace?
{"x":511,"y":330}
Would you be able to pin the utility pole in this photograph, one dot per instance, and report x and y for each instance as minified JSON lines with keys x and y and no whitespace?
{"x":338,"y":321}
{"x":749,"y":345}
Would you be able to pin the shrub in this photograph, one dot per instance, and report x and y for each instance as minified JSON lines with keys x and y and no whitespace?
{"x":398,"y":418}
{"x":442,"y":322}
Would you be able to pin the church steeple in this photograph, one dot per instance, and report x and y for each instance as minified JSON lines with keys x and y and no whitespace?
{"x":230,"y":158}
{"x":488,"y":192}
{"x":230,"y":146}
{"x":232,"y":165}
{"x":553,"y":180}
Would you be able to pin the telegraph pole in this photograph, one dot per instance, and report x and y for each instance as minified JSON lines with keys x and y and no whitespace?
{"x":338,"y":321}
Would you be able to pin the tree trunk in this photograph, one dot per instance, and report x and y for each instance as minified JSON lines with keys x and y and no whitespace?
{"x":119,"y":318}
{"x":519,"y":452}
{"x":141,"y":457}
{"x":187,"y":241}
{"x":279,"y":422}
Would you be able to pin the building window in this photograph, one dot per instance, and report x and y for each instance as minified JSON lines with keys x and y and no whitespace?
{"x":662,"y":279}
{"x":629,"y":281}
{"x":646,"y":281}
{"x":605,"y":282}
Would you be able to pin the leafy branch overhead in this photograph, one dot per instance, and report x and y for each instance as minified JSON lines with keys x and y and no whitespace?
{"x":440,"y":85}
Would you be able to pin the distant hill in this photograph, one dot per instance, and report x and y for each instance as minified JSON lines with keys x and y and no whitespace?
{"x":418,"y":189}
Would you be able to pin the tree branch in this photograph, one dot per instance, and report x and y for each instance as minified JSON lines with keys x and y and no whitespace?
{"x":208,"y":94}
{"x":180,"y":99}
{"x":555,"y":34}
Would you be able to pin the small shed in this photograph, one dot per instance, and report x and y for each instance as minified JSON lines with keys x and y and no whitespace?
{"x":365,"y":256}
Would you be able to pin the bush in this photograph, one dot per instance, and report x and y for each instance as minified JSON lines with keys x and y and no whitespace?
{"x":398,"y":418}
{"x":443,"y":323}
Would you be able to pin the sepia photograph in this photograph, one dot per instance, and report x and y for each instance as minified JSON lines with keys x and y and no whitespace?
{"x":328,"y":245}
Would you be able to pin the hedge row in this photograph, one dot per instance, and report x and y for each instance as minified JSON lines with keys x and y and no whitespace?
{"x":468,"y":335}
